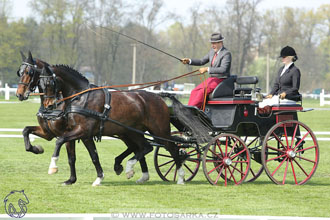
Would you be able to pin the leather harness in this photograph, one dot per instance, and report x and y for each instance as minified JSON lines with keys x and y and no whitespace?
{"x":97,"y":115}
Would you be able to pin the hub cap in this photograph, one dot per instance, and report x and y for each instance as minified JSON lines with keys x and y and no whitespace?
{"x":291,"y":154}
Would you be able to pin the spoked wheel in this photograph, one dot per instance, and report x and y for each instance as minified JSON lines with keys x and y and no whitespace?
{"x":166,"y":167}
{"x":256,"y":168}
{"x":226,"y":156}
{"x":290,"y":153}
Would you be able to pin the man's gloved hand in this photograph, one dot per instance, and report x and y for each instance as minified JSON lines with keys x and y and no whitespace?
{"x":185,"y":60}
{"x":203,"y":69}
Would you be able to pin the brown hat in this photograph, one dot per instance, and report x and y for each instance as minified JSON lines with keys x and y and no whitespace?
{"x":216,"y":37}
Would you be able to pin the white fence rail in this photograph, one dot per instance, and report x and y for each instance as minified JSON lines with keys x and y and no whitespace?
{"x":7,"y":91}
{"x":323,"y":96}
{"x":187,"y":89}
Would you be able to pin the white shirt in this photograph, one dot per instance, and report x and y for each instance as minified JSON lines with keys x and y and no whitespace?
{"x":285,"y":68}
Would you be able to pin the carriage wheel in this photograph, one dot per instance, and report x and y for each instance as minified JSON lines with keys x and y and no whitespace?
{"x":287,"y":157}
{"x":256,"y":167}
{"x":226,"y":156}
{"x":166,"y":167}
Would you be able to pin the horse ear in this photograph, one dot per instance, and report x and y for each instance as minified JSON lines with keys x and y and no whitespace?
{"x":30,"y":58}
{"x":48,"y":71}
{"x":23,"y":56}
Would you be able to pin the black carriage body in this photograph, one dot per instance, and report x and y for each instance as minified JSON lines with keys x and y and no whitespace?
{"x":241,"y":117}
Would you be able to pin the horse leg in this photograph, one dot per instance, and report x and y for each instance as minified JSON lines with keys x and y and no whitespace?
{"x":71,"y":151}
{"x":144,"y":148}
{"x":90,"y":145}
{"x":178,"y":159}
{"x":118,"y":167}
{"x":131,"y":146}
{"x":145,"y":173}
{"x":53,"y":168}
{"x":66,"y":137}
{"x":38,"y":131}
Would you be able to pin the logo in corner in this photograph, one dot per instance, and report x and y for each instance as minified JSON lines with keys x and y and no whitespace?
{"x":15,"y":204}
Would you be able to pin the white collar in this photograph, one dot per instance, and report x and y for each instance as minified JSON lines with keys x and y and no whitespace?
{"x":219,"y":50}
{"x":287,"y":66}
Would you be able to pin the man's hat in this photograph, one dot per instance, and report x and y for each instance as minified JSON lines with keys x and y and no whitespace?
{"x":287,"y":51}
{"x":216,"y":37}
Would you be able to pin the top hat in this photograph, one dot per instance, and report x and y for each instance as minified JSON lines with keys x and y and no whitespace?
{"x":216,"y":37}
{"x":287,"y":51}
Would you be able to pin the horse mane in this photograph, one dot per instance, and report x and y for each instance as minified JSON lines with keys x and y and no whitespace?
{"x":72,"y":71}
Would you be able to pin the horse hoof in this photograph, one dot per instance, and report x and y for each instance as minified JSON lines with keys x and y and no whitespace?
{"x":130,"y":174}
{"x":40,"y":150}
{"x":118,"y":169}
{"x":68,"y":183}
{"x":98,"y":181}
{"x":52,"y":170}
{"x":143,"y":179}
{"x":96,"y":184}
{"x":180,"y":182}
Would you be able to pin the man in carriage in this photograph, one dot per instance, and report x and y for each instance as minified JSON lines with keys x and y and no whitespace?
{"x":219,"y":69}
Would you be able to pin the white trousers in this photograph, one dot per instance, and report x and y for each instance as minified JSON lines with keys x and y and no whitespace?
{"x":275,"y":100}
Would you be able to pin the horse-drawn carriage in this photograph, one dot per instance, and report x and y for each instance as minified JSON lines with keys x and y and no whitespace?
{"x":231,"y":138}
{"x":244,"y":139}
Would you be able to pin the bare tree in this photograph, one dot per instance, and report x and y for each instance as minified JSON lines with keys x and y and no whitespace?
{"x":103,"y":43}
{"x":242,"y":17}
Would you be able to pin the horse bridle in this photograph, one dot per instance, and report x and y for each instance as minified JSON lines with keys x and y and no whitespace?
{"x":33,"y":69}
{"x":51,"y":82}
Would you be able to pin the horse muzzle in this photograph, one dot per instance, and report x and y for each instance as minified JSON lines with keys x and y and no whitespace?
{"x":23,"y":97}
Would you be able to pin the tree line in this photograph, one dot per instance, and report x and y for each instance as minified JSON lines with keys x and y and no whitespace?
{"x":70,"y":32}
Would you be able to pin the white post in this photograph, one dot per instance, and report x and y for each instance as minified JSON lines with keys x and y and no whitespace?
{"x":7,"y":91}
{"x":267,"y":76}
{"x":134,"y":64}
{"x":322,"y":98}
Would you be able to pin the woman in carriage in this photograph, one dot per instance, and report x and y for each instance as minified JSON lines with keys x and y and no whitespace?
{"x":287,"y":83}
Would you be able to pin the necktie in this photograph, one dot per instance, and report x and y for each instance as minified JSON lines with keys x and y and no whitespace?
{"x":214,"y":57}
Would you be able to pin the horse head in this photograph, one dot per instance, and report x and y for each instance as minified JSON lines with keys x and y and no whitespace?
{"x":28,"y":72}
{"x":50,"y":86}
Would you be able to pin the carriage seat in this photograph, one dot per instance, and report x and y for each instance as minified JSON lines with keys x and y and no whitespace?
{"x":225,"y":88}
{"x":245,"y":80}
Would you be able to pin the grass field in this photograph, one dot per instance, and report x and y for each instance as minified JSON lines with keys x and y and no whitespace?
{"x":22,"y":170}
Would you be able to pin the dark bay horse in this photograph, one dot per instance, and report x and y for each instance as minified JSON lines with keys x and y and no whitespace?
{"x":137,"y":100}
{"x":51,"y":126}
{"x":138,"y":110}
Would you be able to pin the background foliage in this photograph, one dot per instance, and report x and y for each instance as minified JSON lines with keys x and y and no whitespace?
{"x":68,"y":32}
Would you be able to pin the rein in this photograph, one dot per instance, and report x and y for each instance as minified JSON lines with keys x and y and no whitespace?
{"x":127,"y":85}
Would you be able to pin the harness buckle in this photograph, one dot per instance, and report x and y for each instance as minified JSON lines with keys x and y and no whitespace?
{"x":107,"y":106}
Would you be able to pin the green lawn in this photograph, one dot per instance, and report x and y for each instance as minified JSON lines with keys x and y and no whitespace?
{"x":22,"y":170}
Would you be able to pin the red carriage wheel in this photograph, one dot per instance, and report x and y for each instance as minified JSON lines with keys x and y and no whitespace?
{"x":256,"y":168}
{"x":165,"y":165}
{"x":226,"y":156}
{"x":290,"y":153}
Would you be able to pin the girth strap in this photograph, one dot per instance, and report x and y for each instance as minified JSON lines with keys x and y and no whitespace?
{"x":107,"y":107}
